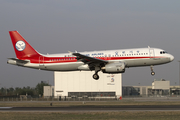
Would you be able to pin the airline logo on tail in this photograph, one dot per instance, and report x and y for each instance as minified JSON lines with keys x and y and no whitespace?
{"x":20,"y":45}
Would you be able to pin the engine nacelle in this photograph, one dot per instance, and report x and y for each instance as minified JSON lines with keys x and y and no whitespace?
{"x":114,"y":68}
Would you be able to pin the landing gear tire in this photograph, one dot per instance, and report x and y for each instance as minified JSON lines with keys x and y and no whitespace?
{"x":152,"y":73}
{"x":96,"y":76}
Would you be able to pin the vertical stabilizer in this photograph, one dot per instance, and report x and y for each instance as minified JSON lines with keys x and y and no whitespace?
{"x":21,"y":47}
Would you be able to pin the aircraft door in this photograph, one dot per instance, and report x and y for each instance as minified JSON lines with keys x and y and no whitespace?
{"x":109,"y":57}
{"x":151,"y":53}
{"x":41,"y":62}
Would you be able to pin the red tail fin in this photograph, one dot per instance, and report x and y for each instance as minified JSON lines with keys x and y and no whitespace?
{"x":21,"y":47}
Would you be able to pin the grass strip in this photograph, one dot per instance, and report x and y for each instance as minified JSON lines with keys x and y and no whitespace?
{"x":166,"y":115}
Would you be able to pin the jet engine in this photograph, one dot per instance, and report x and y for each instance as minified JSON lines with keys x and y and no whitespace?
{"x":114,"y":68}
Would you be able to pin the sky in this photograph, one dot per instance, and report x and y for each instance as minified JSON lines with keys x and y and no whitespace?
{"x":59,"y":26}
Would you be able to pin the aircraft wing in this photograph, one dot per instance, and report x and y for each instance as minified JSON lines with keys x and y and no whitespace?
{"x":91,"y":61}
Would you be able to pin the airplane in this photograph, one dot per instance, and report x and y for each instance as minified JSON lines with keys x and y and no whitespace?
{"x":107,"y":61}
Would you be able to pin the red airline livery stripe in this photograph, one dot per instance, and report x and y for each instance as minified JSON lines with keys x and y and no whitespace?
{"x":47,"y":60}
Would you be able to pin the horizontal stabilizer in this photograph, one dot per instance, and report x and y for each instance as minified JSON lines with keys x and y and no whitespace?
{"x":19,"y":61}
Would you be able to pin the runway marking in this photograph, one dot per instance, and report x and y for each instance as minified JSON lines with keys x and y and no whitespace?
{"x":6,"y":107}
{"x":93,"y":108}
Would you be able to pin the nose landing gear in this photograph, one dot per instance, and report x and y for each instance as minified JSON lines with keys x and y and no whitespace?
{"x":152,"y":72}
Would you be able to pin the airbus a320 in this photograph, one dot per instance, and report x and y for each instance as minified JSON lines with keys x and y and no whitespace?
{"x":108,"y":61}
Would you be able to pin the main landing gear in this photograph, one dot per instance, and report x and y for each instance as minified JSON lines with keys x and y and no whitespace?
{"x":96,"y":76}
{"x":152,"y":72}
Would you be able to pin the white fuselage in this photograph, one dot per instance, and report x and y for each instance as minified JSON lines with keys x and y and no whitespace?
{"x":131,"y":58}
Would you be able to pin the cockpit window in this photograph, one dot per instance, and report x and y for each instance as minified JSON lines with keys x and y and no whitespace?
{"x":163,"y":52}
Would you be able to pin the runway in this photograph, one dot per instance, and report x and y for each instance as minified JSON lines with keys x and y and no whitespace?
{"x":93,"y":108}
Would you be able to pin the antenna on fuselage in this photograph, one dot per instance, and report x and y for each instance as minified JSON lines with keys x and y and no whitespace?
{"x":148,"y":47}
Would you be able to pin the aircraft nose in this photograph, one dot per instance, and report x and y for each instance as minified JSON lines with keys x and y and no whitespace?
{"x":171,"y":58}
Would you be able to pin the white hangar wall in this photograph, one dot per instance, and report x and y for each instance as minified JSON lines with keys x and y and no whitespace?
{"x":82,"y":81}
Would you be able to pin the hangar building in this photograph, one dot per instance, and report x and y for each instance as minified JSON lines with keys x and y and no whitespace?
{"x":81,"y":84}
